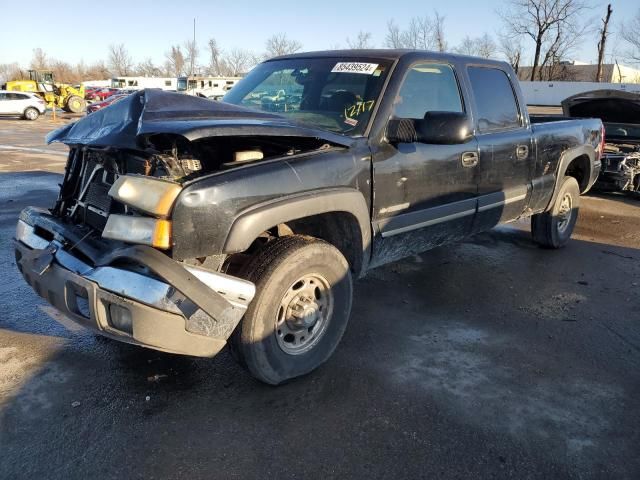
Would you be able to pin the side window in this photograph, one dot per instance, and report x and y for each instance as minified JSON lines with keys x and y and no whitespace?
{"x":428,"y":87}
{"x":496,"y":102}
{"x":3,"y":96}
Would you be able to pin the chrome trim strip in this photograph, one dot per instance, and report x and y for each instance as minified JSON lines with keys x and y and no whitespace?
{"x":427,"y":223}
{"x":502,"y":202}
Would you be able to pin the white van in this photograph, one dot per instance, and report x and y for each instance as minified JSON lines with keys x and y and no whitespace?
{"x":28,"y":105}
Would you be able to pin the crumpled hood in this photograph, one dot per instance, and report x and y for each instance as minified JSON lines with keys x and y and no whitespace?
{"x":611,"y":106}
{"x":131,"y":121}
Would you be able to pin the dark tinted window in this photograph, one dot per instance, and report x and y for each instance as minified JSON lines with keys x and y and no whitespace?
{"x":497,"y":107}
{"x":428,"y":87}
{"x":16,"y":96}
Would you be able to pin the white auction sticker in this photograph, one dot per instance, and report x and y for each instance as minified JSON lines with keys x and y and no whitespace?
{"x":355,"y":67}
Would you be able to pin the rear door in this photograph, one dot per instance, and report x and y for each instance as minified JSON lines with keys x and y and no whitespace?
{"x":424,"y":194}
{"x":507,"y":156}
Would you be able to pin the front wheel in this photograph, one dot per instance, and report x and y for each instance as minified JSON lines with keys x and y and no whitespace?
{"x":75,"y":104}
{"x":300,"y":310}
{"x":553,"y":229}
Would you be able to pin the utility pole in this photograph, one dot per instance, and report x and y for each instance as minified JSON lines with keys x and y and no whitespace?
{"x":601,"y":43}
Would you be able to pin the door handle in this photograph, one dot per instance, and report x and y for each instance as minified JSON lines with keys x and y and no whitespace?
{"x":469,"y":159}
{"x":522,"y":152}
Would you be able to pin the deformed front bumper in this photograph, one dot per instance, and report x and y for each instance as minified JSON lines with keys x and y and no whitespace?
{"x":160,"y":304}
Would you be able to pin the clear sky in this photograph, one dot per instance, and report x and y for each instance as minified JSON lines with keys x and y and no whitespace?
{"x":72,"y":31}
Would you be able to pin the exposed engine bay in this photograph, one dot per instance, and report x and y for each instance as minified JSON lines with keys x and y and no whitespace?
{"x":622,"y":162}
{"x":84,"y":196}
{"x":171,"y":137}
{"x":620,"y":114}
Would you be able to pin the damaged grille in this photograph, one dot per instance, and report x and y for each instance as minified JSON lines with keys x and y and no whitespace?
{"x":84,"y":196}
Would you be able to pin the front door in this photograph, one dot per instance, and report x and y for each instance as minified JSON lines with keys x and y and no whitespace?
{"x":507,"y":156}
{"x":424,"y":194}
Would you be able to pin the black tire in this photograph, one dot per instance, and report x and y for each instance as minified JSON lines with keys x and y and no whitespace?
{"x":31,"y":114}
{"x":553,"y":229}
{"x":75,"y":104}
{"x":258,"y":343}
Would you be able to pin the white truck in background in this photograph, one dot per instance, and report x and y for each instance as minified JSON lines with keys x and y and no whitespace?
{"x":208,"y":87}
{"x":140,"y":83}
{"x":551,"y":94}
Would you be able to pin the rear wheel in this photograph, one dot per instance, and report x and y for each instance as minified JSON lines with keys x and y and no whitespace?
{"x":75,"y":104}
{"x":300,"y":311}
{"x":553,"y":229}
{"x":31,"y":114}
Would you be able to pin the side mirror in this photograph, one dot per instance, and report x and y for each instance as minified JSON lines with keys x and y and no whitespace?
{"x":440,"y":128}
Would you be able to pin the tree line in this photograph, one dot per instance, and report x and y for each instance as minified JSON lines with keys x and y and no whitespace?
{"x":551,"y":30}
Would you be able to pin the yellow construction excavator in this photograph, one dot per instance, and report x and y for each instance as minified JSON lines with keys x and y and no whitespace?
{"x":60,"y":95}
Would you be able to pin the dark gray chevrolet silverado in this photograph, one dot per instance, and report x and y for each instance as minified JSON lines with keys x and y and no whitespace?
{"x":184,"y":224}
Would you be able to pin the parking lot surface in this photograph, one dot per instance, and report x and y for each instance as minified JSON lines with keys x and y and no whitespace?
{"x":491,"y":358}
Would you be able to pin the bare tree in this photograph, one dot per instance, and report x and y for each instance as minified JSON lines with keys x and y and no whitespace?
{"x":96,"y":71}
{"x":483,"y":46}
{"x":543,"y":21}
{"x":175,"y":62}
{"x":278,"y":44}
{"x":238,"y":62}
{"x":422,"y":33}
{"x":394,"y":35}
{"x":511,"y":48}
{"x":215,"y":58}
{"x":603,"y":41}
{"x":191,"y":55}
{"x":119,"y":61}
{"x":9,"y":71}
{"x":363,"y":40}
{"x":629,"y":34}
{"x":438,"y":32}
{"x":147,"y":68}
{"x":39,"y":61}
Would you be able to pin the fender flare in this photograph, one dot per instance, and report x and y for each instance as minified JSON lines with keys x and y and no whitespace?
{"x":252,"y":222}
{"x":565,"y":159}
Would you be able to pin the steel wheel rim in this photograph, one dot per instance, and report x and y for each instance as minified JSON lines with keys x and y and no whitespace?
{"x":304,"y":314}
{"x":564,"y":212}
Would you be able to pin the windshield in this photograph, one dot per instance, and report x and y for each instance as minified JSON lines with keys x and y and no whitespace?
{"x":338,"y":95}
{"x":182,"y":84}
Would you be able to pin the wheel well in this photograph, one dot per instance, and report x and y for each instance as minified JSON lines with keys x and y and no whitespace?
{"x":579,"y":168}
{"x":340,"y":229}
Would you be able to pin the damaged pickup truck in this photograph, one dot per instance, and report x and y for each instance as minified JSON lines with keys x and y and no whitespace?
{"x":620,"y":113}
{"x":183,"y":224}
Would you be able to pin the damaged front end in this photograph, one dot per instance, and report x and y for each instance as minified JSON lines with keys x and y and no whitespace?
{"x":103,"y":254}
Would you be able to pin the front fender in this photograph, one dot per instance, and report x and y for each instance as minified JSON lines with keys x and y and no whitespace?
{"x":255,"y":220}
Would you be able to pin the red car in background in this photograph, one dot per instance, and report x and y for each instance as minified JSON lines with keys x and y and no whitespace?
{"x":94,"y":107}
{"x":100,"y":94}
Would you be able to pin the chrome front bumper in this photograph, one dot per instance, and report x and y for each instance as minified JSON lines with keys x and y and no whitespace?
{"x":135,"y":307}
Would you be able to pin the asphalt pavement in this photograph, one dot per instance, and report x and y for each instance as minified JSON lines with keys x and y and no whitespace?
{"x":490,"y":358}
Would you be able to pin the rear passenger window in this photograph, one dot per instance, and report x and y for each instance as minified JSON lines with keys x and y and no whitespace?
{"x":497,"y":106}
{"x":428,"y":87}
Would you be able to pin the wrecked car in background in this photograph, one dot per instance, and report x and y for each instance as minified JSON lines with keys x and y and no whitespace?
{"x":184,"y":224}
{"x":620,"y":113}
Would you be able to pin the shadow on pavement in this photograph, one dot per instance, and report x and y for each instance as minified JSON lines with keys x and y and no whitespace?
{"x":489,"y":358}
